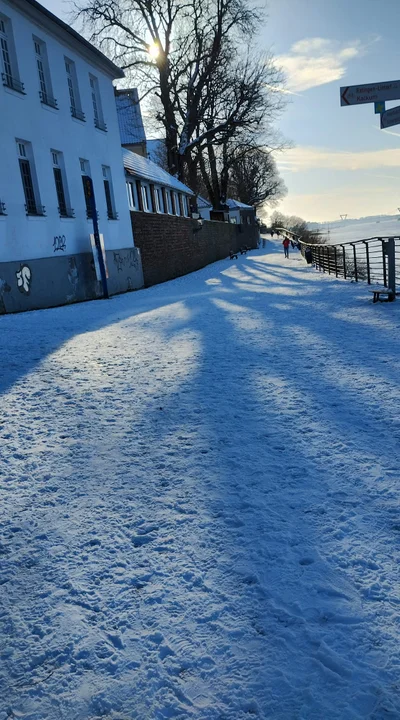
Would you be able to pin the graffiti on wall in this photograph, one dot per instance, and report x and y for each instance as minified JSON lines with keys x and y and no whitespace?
{"x":24,"y":277}
{"x":127,"y":260}
{"x":59,"y":243}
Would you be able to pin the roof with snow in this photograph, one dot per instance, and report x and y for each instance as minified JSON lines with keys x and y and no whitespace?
{"x":129,"y":117}
{"x":143,"y":168}
{"x":203,"y":203}
{"x":236,"y":205}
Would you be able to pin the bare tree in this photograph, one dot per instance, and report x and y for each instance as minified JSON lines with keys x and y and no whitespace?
{"x":254,"y":178}
{"x":207,"y":90}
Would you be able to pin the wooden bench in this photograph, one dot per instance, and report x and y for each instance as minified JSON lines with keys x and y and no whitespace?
{"x":382,"y":292}
{"x":233,"y":255}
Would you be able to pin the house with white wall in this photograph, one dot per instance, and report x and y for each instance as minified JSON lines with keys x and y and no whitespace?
{"x":240,"y":213}
{"x":58,"y":125}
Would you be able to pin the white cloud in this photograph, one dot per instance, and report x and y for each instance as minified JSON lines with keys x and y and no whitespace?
{"x":317,"y":61}
{"x":300,"y":159}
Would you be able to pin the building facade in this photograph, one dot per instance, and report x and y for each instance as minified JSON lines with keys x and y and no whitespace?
{"x":58,"y":125}
{"x":151,"y":189}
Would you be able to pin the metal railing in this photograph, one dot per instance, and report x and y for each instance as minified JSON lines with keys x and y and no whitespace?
{"x":12,"y":83}
{"x":374,"y":260}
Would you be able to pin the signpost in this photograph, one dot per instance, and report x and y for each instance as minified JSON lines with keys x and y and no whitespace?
{"x":89,"y":192}
{"x":371,"y":93}
{"x":390,"y":117}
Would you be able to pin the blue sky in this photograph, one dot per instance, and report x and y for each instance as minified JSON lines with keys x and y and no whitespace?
{"x":341,"y":162}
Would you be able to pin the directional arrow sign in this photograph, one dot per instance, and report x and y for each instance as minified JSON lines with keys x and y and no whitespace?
{"x":390,"y":117}
{"x":374,"y":92}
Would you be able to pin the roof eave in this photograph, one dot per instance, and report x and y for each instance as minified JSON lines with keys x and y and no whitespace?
{"x":34,"y":6}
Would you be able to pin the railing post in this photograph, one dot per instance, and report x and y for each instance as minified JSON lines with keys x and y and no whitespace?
{"x":355,"y":262}
{"x":329,"y":258}
{"x":344,"y":262}
{"x":391,"y":256}
{"x":336,"y":270}
{"x":367,"y":255}
{"x":383,"y":262}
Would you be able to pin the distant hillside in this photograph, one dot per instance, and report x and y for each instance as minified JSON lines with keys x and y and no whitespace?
{"x":359,"y":228}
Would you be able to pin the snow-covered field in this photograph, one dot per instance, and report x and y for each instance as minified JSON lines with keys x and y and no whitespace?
{"x":200,"y":501}
{"x":351,"y":230}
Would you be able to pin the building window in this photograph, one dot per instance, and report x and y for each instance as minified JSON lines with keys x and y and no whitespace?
{"x":73,"y":89}
{"x":159,"y":200}
{"x":85,"y":171}
{"x":176,"y":203}
{"x":146,"y":197}
{"x":42,"y":64}
{"x":96,"y":102}
{"x":186,"y":205}
{"x":29,"y":181}
{"x":108,"y":190}
{"x":8,"y":60}
{"x":132,"y":196}
{"x":169,"y":202}
{"x":61,"y":185}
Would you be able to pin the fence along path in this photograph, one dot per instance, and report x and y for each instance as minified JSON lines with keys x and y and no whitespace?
{"x":375,"y":260}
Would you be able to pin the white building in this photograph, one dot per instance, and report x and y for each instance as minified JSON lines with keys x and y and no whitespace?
{"x":204,"y":207}
{"x":58,"y":123}
{"x":240,"y":213}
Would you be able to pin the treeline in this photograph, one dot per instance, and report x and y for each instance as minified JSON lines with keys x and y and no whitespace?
{"x":296,"y":225}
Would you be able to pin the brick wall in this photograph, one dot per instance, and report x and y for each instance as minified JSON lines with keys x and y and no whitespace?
{"x":171,"y":246}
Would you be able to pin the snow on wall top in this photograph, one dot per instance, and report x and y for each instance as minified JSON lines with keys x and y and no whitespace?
{"x":129,"y":117}
{"x":234,"y":204}
{"x":146,"y":169}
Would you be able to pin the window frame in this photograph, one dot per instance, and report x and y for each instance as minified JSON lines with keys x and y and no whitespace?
{"x":159,"y":200}
{"x":97,"y":107}
{"x":61,"y":185}
{"x":85,"y":172}
{"x":146,"y":197}
{"x":43,"y":71}
{"x":109,"y":193}
{"x":133,"y":201}
{"x":73,"y":90}
{"x":10,"y":75}
{"x":26,"y":162}
{"x":170,"y":209}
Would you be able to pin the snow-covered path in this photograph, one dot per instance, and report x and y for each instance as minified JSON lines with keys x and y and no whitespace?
{"x":200,"y":501}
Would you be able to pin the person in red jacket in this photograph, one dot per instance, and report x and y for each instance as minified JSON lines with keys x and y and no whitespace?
{"x":286,"y":244}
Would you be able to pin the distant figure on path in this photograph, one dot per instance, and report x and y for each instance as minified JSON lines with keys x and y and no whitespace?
{"x":286,"y":244}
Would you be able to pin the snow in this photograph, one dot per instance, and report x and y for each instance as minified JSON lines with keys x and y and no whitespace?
{"x":351,"y":230}
{"x":200,"y":501}
{"x":234,"y":204}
